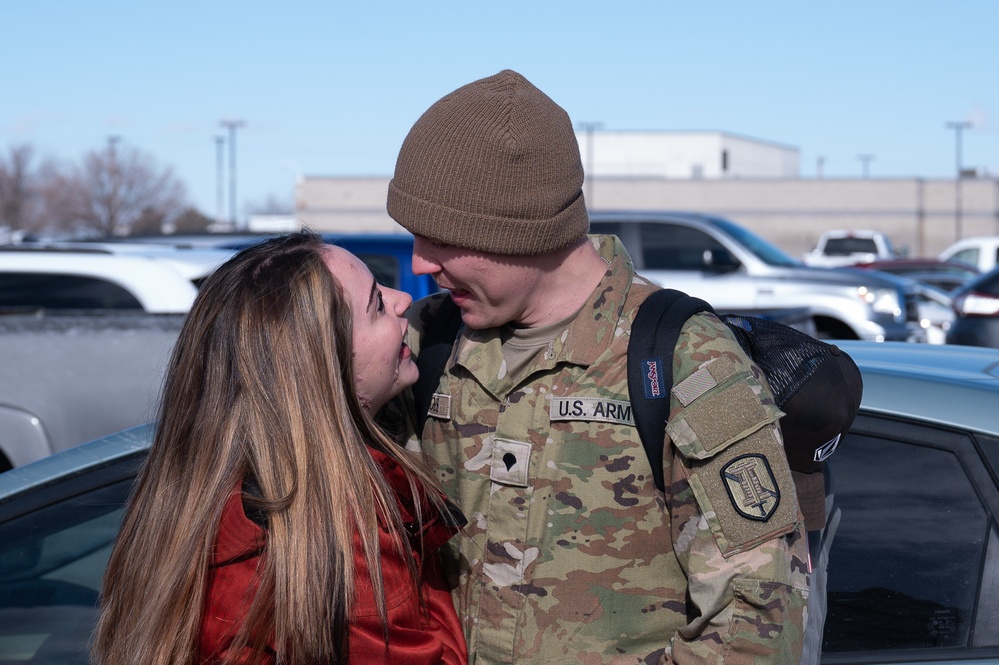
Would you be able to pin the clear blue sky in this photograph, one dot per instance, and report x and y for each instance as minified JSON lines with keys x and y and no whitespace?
{"x":331,"y":88}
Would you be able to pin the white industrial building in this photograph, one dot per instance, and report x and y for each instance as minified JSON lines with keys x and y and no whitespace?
{"x":753,"y":182}
{"x":684,"y":155}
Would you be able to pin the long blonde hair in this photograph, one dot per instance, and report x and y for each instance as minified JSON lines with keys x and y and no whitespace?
{"x":260,"y":385}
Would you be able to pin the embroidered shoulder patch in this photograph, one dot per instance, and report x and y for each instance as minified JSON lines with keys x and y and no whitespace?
{"x":751,"y":486}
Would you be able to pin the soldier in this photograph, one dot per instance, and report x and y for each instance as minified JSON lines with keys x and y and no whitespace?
{"x":571,"y":554}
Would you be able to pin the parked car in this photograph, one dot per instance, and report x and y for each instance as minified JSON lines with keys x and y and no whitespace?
{"x":66,"y":379}
{"x":945,"y":275}
{"x":977,"y":307}
{"x":845,"y":248}
{"x":913,"y":536}
{"x":936,"y":312}
{"x":87,"y":329}
{"x":982,"y":252}
{"x":736,"y":270}
{"x":933,"y":306}
{"x":34,"y":280}
{"x":914,"y":553}
{"x":389,"y":256}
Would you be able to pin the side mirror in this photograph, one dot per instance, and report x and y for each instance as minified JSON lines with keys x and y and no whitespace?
{"x":720,"y":260}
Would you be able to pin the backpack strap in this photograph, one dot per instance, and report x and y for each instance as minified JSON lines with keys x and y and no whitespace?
{"x":654,"y":334}
{"x":435,"y":348}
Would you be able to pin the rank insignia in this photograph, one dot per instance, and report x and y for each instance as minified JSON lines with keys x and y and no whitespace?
{"x":751,"y":486}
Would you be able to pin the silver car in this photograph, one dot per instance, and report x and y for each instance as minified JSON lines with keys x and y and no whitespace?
{"x":912,"y":545}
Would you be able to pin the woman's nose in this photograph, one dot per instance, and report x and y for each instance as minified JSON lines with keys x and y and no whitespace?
{"x":400,"y":301}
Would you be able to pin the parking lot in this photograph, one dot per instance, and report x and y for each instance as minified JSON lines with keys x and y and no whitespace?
{"x":911,"y":549}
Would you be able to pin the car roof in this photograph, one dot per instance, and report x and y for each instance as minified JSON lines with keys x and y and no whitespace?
{"x":77,"y":459}
{"x":159,"y":285}
{"x":975,"y":240}
{"x":195,"y":263}
{"x":852,"y":233}
{"x":648,"y":215}
{"x":242,"y":240}
{"x":971,"y":241}
{"x":947,"y":385}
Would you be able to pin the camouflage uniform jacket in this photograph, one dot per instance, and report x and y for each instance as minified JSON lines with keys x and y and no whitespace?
{"x":571,"y":554}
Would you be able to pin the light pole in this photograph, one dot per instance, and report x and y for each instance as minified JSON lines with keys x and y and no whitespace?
{"x":114,"y":186}
{"x":958,"y":127}
{"x":219,"y":143}
{"x":232,"y":125}
{"x":866,"y":160}
{"x":589,"y":128}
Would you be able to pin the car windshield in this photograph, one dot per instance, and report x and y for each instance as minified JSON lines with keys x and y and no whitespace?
{"x":766,"y":252}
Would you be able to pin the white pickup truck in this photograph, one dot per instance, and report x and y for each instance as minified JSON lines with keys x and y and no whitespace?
{"x":846,"y":248}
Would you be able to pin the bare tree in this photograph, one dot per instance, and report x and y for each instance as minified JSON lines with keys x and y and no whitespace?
{"x":192,"y":221}
{"x":114,"y":188}
{"x":21,"y":201}
{"x":149,"y":223}
{"x":60,"y":196}
{"x":271,"y":205}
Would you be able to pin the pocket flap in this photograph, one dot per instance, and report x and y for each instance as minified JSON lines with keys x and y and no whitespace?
{"x":719,"y":406}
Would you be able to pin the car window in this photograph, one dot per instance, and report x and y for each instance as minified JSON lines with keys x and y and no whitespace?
{"x":675,"y":247}
{"x":32,"y":291}
{"x":912,"y":540}
{"x":847,"y":246}
{"x":50,"y":575}
{"x":606,"y":228}
{"x":969,"y":256}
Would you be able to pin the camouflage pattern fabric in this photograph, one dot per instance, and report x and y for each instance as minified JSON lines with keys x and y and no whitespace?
{"x":571,"y":554}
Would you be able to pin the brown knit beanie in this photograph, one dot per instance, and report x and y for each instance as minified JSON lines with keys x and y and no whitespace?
{"x":493,"y":166}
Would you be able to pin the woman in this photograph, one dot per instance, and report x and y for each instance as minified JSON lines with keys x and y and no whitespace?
{"x":274,"y":522}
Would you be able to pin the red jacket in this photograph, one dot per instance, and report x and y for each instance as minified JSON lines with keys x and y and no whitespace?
{"x":414,"y":639}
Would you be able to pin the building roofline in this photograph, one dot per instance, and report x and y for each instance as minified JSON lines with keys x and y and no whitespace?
{"x":735,"y":135}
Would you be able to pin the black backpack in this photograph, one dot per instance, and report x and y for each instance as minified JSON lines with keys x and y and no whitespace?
{"x":816,"y":384}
